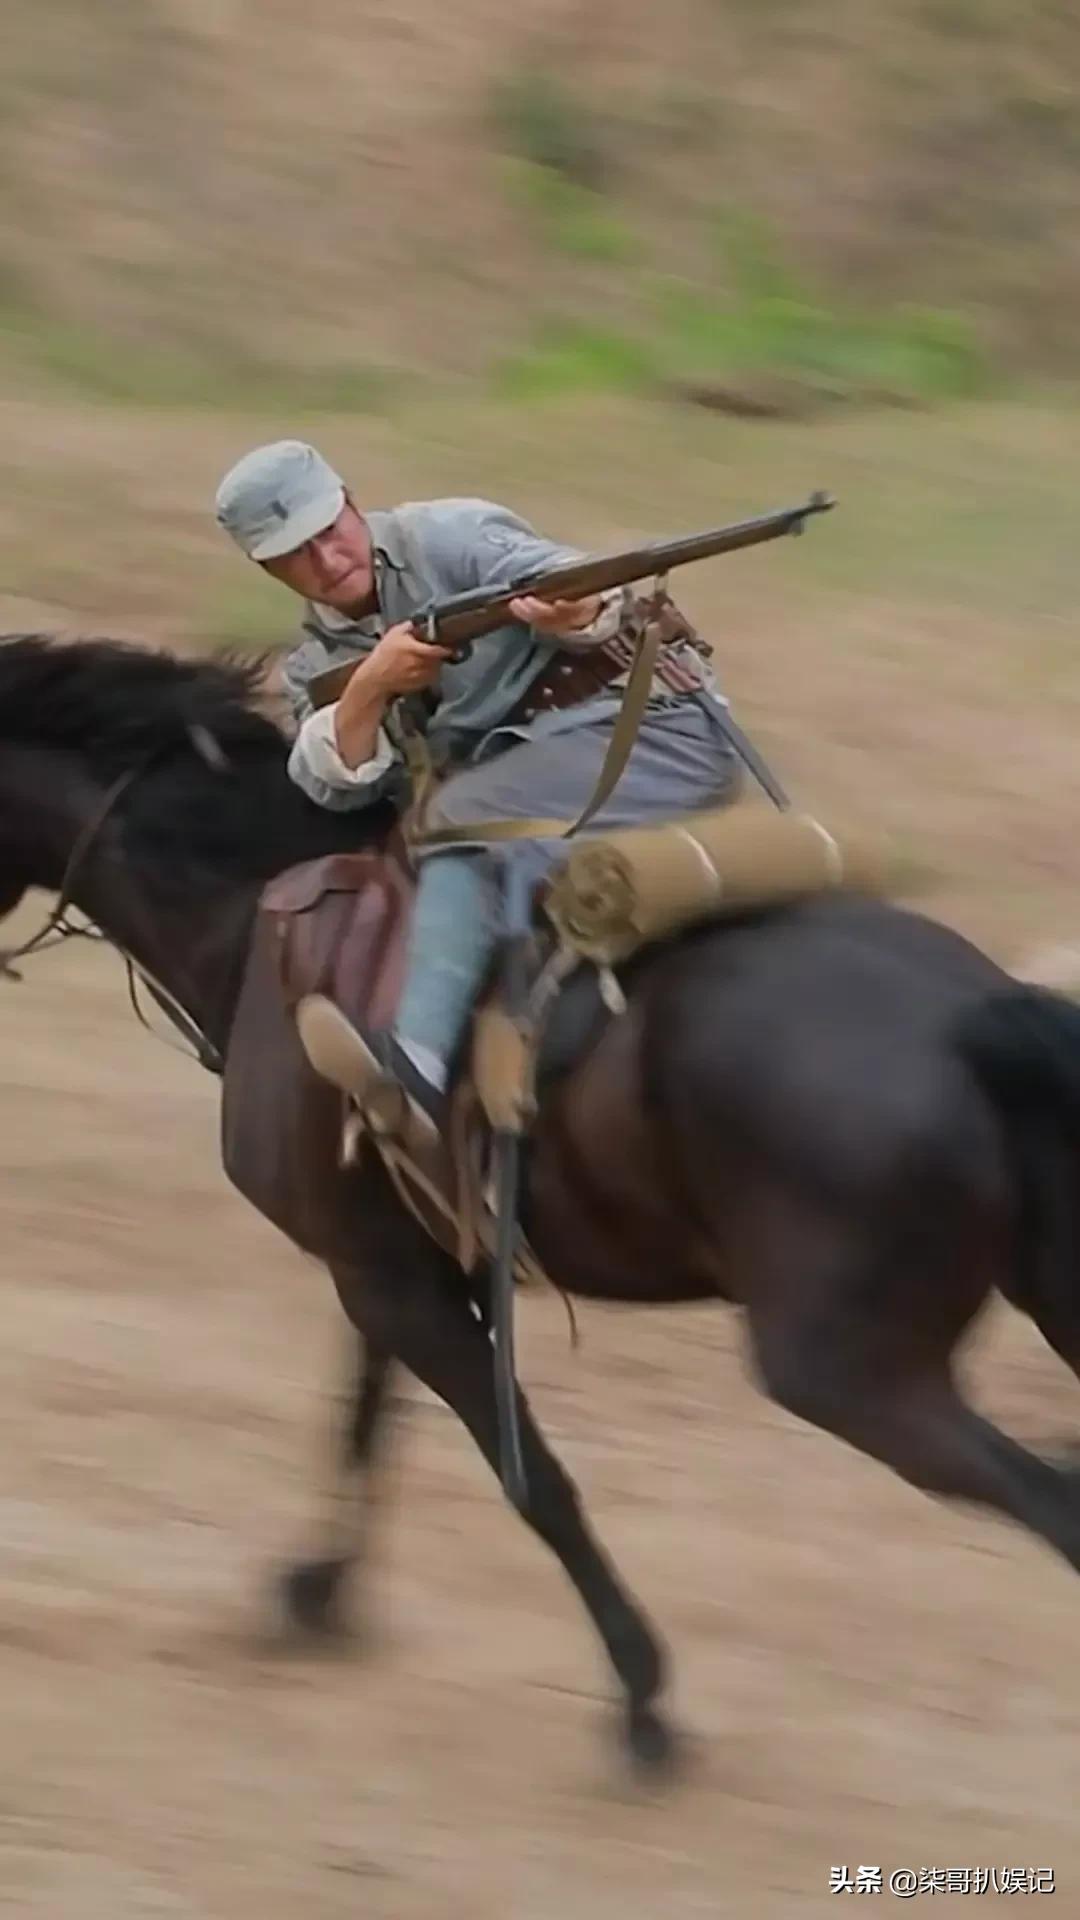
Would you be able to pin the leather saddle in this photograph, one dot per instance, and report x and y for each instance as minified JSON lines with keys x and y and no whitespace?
{"x":338,"y":926}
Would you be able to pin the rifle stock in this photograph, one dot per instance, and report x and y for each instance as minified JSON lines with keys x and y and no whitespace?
{"x":455,"y":623}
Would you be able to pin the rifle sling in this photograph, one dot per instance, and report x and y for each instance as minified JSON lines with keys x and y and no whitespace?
{"x":635,"y":699}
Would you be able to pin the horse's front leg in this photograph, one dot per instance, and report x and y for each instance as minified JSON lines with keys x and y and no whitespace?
{"x":427,"y":1321}
{"x":313,"y":1590}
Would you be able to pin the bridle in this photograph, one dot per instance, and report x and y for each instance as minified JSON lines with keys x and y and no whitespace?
{"x":59,"y":927}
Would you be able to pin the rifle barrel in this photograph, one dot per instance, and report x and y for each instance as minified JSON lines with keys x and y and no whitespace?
{"x":456,"y":622}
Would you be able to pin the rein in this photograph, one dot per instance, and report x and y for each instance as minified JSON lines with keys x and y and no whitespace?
{"x":59,"y":927}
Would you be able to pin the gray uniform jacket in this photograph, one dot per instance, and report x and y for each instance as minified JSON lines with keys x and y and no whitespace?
{"x":426,"y":551}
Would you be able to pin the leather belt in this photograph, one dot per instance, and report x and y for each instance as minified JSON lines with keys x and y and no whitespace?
{"x":566,"y":681}
{"x":576,"y":675}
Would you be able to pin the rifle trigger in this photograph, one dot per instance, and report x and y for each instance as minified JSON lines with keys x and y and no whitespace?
{"x":428,"y":621}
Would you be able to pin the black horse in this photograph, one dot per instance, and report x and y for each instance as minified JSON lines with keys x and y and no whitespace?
{"x":839,"y":1116}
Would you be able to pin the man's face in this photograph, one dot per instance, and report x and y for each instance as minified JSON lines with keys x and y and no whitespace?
{"x":335,"y":568}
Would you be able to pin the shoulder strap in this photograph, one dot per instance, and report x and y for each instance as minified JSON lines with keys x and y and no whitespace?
{"x":627,"y":725}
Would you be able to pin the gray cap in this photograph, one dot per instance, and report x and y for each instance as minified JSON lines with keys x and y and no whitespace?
{"x":277,"y":497}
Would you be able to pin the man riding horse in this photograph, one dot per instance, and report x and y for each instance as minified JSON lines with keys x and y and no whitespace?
{"x":834,"y":1114}
{"x":518,"y":729}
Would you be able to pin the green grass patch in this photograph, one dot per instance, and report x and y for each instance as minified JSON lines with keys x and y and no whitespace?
{"x":769,"y":319}
{"x":567,"y":217}
{"x":566,"y":357}
{"x":752,"y":317}
{"x":905,"y":352}
{"x":100,"y":366}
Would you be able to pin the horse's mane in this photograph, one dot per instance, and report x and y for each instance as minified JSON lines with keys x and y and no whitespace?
{"x":214,"y":793}
{"x":116,"y":703}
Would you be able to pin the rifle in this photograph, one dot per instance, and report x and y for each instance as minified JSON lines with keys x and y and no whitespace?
{"x":455,"y":623}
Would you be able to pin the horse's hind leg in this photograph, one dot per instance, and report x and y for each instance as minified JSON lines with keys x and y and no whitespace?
{"x":313,"y":1590}
{"x":888,"y":1390}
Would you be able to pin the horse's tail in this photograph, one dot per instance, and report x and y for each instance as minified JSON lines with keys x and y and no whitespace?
{"x":1023,"y":1046}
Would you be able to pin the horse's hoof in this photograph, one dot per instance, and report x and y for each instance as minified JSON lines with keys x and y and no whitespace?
{"x":311,"y":1599}
{"x":653,"y":1747}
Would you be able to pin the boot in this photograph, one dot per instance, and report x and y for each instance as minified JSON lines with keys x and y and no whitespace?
{"x":375,"y":1072}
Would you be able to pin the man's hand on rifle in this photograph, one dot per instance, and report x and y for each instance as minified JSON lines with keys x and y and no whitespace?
{"x":556,"y":616}
{"x":401,"y":662}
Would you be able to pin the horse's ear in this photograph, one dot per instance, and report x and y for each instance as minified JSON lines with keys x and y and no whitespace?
{"x":209,"y":748}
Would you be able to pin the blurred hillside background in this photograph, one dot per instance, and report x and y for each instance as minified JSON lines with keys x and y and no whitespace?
{"x":872,"y":194}
{"x":633,"y":268}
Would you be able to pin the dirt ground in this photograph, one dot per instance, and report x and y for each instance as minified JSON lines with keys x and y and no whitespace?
{"x":863,"y":1677}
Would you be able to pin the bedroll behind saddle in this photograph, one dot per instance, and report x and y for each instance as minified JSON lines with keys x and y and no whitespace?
{"x":623,"y":891}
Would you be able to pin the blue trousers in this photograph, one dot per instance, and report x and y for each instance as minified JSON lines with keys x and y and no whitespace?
{"x":681,"y":763}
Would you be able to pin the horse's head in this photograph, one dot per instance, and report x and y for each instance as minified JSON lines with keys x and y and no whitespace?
{"x":24,"y":855}
{"x":82,"y":726}
{"x":151,"y":788}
